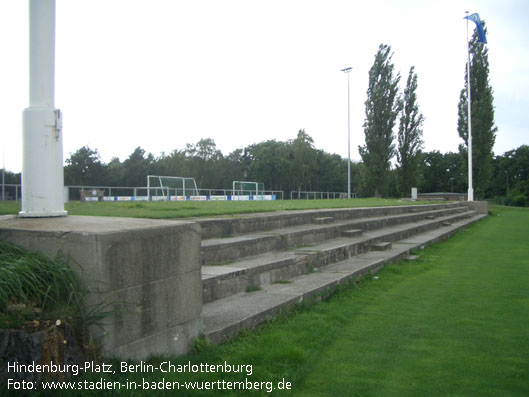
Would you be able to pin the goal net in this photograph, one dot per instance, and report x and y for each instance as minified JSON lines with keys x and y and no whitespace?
{"x":241,"y":188}
{"x":163,"y":187}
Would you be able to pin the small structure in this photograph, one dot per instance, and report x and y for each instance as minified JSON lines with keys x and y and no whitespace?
{"x":443,"y":196}
{"x":92,"y":195}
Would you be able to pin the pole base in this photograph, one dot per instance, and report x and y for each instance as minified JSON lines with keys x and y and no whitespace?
{"x":41,"y":214}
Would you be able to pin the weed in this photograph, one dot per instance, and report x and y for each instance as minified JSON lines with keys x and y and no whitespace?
{"x":200,"y":344}
{"x":253,"y":288}
{"x":283,"y":282}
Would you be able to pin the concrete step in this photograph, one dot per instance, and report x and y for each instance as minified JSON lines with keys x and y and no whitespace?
{"x":221,"y":281}
{"x":382,"y":246}
{"x":323,"y":220}
{"x":225,"y":318}
{"x":263,"y":269}
{"x":332,"y":251}
{"x":217,"y":251}
{"x":351,"y":233}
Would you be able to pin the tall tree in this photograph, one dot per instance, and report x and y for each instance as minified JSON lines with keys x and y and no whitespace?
{"x":409,"y":136}
{"x":84,"y":167}
{"x":382,"y":108}
{"x":137,"y":167}
{"x":304,"y":160}
{"x":482,"y":122}
{"x":204,"y":158}
{"x":270,"y":163}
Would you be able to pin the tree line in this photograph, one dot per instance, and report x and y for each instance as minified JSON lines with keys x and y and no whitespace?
{"x":293,"y":165}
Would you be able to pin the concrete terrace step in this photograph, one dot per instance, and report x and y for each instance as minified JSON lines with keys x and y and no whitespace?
{"x":352,"y":233}
{"x":382,"y":246}
{"x":217,"y":251}
{"x":225,"y":318}
{"x":335,"y":250}
{"x":323,"y":220}
{"x":224,"y":280}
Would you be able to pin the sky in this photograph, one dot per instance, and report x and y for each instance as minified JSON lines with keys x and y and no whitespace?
{"x":163,"y":73}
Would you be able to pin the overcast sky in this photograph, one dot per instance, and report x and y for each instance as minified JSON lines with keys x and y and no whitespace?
{"x":162,"y":73}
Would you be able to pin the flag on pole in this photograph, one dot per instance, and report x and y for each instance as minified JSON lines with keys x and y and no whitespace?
{"x":481,"y":33}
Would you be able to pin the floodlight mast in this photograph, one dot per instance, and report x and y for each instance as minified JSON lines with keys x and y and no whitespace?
{"x":42,"y":168}
{"x":348,"y":70}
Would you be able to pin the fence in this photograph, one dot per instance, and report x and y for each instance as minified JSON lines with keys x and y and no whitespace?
{"x":10,"y":192}
{"x":72,"y":193}
{"x":303,"y":195}
{"x":14,"y":192}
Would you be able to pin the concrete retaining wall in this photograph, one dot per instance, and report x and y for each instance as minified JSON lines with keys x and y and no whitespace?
{"x":146,"y":272}
{"x":482,"y":207}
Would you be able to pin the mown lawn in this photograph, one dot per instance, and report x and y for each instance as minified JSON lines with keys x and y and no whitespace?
{"x":455,"y":322}
{"x":186,"y":209}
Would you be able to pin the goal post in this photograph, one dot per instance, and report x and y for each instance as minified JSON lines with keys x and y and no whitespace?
{"x":244,"y":188}
{"x":166,"y":186}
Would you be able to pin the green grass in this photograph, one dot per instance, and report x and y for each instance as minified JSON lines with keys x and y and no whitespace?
{"x":186,"y":209}
{"x":253,"y":288}
{"x":456,"y":323}
{"x":452,"y":323}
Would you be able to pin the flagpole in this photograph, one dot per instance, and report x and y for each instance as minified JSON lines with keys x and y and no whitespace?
{"x":470,"y":185}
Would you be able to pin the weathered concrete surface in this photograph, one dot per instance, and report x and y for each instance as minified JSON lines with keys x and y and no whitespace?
{"x":55,"y":344}
{"x":217,"y":251}
{"x":145,"y":272}
{"x":482,"y":207}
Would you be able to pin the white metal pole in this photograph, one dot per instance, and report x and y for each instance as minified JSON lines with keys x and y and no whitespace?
{"x":3,"y":177}
{"x":470,"y":185}
{"x":348,"y":70}
{"x":42,"y":168}
{"x":348,"y":141}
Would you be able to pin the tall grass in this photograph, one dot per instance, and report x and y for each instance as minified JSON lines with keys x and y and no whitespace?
{"x":33,"y":280}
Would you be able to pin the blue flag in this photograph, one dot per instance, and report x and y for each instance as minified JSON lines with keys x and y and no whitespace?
{"x":481,"y":33}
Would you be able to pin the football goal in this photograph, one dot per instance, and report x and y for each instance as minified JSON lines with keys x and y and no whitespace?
{"x":164,"y":187}
{"x":241,"y":188}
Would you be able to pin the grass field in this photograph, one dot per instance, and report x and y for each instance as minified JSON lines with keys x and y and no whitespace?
{"x":453,"y":323}
{"x":186,"y":209}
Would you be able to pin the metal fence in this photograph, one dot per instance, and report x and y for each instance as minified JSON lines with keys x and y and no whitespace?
{"x":73,"y":193}
{"x":10,"y":192}
{"x":305,"y":195}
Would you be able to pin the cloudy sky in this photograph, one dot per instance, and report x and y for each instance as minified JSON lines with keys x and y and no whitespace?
{"x":162,"y":73}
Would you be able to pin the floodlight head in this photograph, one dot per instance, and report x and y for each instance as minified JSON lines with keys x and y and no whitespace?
{"x":346,"y":70}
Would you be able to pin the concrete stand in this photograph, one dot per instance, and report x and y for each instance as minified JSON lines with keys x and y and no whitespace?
{"x":146,"y":272}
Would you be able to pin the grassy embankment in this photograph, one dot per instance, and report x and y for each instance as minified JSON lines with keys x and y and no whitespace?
{"x":186,"y":209}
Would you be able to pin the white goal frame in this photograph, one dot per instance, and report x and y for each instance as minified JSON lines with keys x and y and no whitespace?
{"x":258,"y":192}
{"x":166,"y":190}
